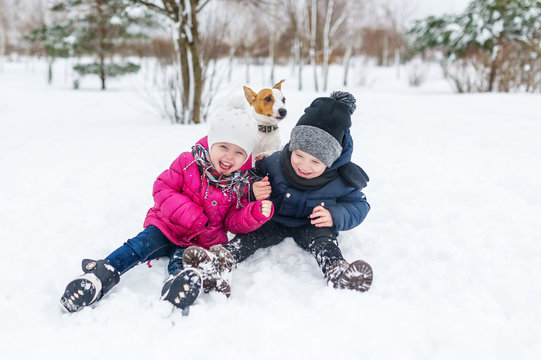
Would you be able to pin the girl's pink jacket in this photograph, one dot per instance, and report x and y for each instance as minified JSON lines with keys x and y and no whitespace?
{"x":186,"y":218}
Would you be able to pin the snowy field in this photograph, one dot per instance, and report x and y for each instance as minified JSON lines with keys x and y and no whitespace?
{"x":453,"y":235}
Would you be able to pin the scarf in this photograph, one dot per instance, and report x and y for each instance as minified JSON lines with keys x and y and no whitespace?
{"x":302,"y":183}
{"x":236,"y":183}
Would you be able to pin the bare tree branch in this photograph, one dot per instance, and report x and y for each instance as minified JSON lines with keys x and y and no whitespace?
{"x":155,"y":7}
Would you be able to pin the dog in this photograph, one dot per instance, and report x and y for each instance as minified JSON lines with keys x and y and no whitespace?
{"x":268,"y":109}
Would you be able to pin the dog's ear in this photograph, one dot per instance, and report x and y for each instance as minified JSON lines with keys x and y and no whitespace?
{"x":250,"y":94}
{"x":279,"y":85}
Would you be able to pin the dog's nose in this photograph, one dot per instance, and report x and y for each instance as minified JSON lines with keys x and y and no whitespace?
{"x":282,"y":112}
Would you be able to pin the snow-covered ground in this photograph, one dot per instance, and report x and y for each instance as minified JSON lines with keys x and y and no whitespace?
{"x":453,"y":235}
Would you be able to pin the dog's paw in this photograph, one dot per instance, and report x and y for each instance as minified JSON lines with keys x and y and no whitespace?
{"x":262,"y":155}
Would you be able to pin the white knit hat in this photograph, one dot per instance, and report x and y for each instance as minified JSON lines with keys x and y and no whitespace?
{"x":235,"y":126}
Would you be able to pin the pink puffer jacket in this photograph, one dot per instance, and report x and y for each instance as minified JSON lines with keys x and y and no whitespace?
{"x":186,"y":217}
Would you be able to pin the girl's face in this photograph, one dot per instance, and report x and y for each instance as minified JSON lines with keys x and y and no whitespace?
{"x":227,"y":158}
{"x":305,"y":165}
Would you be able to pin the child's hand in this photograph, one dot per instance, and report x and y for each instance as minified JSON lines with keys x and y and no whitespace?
{"x":262,"y":189}
{"x":266,"y":208}
{"x":321,"y":217}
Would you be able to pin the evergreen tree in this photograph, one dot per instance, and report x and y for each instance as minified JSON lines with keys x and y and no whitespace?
{"x":55,"y":42}
{"x":494,"y":33}
{"x":102,"y":29}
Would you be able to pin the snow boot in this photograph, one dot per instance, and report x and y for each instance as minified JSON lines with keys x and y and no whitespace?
{"x":215,"y":266}
{"x":355,"y":276}
{"x":182,"y":289}
{"x":99,"y":277}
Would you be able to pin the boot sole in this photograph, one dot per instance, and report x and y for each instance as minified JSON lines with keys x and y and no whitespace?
{"x":194,"y":256}
{"x":197,"y":258}
{"x":78,"y":294}
{"x":358,"y":276}
{"x":184,"y":289}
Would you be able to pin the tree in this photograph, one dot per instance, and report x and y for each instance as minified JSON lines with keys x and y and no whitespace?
{"x":3,"y":32}
{"x":396,"y":15}
{"x":353,"y":37}
{"x":320,"y":37}
{"x":334,"y":19}
{"x":311,"y":7}
{"x":101,"y":28}
{"x":54,"y":40}
{"x":497,"y":39}
{"x":298,"y":19}
{"x":184,"y":16}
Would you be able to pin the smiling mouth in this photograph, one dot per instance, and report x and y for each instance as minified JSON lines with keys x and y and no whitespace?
{"x":278,"y":118}
{"x":302,"y":173}
{"x":225,"y":166}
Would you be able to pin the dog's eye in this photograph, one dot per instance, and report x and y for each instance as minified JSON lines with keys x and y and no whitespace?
{"x":284,"y":100}
{"x":268,"y":98}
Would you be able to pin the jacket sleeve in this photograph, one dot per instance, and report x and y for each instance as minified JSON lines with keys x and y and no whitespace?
{"x":246,"y":219}
{"x":350,"y":210}
{"x":261,"y":167}
{"x":177,"y":207}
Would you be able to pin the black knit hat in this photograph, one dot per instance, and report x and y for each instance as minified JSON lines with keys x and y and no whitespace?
{"x":320,"y":131}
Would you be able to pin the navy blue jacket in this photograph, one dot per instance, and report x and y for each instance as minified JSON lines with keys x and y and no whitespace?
{"x":292,"y":206}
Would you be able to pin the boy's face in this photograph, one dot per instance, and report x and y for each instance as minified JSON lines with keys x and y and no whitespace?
{"x":305,"y":165}
{"x":227,"y":158}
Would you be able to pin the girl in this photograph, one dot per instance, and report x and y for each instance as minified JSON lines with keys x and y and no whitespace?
{"x":203,"y":194}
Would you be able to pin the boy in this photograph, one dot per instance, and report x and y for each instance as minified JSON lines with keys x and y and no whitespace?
{"x":315,"y":189}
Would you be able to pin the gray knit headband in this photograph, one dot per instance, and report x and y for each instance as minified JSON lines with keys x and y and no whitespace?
{"x":316,"y":142}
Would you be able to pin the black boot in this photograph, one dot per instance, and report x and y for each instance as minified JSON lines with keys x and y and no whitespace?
{"x":355,"y":276}
{"x":182,"y":289}
{"x":214,"y":264}
{"x":99,"y":277}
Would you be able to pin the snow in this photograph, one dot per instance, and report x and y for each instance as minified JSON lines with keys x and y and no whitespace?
{"x":452,"y":235}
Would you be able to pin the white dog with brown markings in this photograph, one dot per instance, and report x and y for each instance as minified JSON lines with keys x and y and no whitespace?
{"x":268,"y":109}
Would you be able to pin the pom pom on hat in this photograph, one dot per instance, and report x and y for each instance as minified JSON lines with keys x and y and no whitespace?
{"x":345,"y":98}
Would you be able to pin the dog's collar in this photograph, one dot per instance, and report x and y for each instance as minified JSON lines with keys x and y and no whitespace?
{"x":267,"y":128}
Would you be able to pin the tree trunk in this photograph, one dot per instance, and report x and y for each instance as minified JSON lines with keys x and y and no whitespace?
{"x":101,"y":45}
{"x":492,"y":76}
{"x":272,"y":56}
{"x":102,"y":71}
{"x":313,"y":29}
{"x":3,"y":35}
{"x":50,"y":62}
{"x":272,"y":41}
{"x":184,"y":14}
{"x":231,"y":57}
{"x":326,"y":42}
{"x":300,"y":75}
{"x":295,"y":61}
{"x":198,"y":89}
{"x":197,"y":67}
{"x":184,"y":74}
{"x":397,"y":62}
{"x":347,"y":60}
{"x":247,"y":65}
{"x":297,"y":58}
{"x":385,"y":51}
{"x":493,"y":71}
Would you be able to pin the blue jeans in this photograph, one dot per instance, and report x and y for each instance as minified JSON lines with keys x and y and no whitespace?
{"x":149,"y":244}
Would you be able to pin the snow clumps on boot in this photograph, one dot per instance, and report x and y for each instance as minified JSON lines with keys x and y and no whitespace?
{"x":355,"y":276}
{"x":215,"y":266}
{"x":99,"y":277}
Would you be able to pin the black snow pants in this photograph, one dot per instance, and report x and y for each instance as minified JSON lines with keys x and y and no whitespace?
{"x":320,"y":241}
